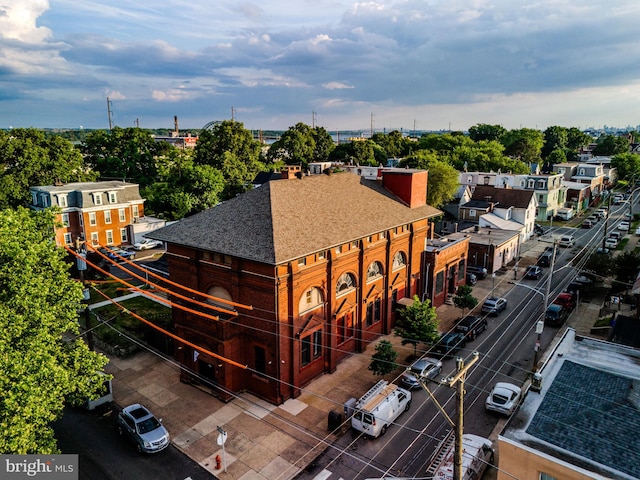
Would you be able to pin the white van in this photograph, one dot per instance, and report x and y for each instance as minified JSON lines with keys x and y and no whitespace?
{"x":477,"y":454}
{"x":379,"y":407}
{"x":567,"y":241}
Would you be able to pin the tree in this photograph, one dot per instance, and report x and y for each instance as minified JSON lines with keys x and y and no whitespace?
{"x":384,"y":360}
{"x":626,"y":267}
{"x":28,"y":158}
{"x":442,"y":181}
{"x":127,"y":154}
{"x":393,"y":143}
{"x":627,"y":165}
{"x":463,"y":298}
{"x":524,"y":144}
{"x":483,"y":131}
{"x":39,"y":368}
{"x":611,"y":145}
{"x":360,"y":152}
{"x":417,"y":323}
{"x":555,"y":138}
{"x":231,"y":149}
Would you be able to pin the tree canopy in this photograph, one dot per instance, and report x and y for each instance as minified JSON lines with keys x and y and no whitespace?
{"x":627,"y":165}
{"x":28,"y":158}
{"x":483,"y":131}
{"x":384,"y":360}
{"x":611,"y":145}
{"x":43,"y":362}
{"x":442,"y":181}
{"x":417,"y":322}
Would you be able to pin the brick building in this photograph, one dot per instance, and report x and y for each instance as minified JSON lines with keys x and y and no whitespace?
{"x":100,"y":212}
{"x":322,"y":260}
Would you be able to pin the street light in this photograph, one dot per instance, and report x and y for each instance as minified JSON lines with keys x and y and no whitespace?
{"x":493,"y":283}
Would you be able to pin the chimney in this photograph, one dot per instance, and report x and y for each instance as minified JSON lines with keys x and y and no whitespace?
{"x":410,"y":186}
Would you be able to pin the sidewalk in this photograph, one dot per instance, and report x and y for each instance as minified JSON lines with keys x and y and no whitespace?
{"x":265,"y":441}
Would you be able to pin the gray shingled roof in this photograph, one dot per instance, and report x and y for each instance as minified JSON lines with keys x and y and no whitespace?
{"x":588,"y":412}
{"x":287,"y":219}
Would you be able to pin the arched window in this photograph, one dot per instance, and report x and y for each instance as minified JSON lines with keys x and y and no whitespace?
{"x":310,"y":299}
{"x":374,"y":271}
{"x":345,"y":282}
{"x":222,"y":293}
{"x":399,"y":261}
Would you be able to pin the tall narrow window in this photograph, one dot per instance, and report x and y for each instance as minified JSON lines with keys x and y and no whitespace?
{"x":107,"y":216}
{"x":260,"y":359}
{"x":122,"y":215}
{"x":92,"y":219}
{"x":124,"y":236}
{"x":109,"y":234}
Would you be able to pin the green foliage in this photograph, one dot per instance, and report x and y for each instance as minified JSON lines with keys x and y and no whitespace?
{"x":442,"y":181}
{"x":626,"y":268}
{"x":384,"y":360}
{"x":463,"y":298}
{"x":611,"y":145}
{"x":557,"y":156}
{"x":39,"y":370}
{"x":599,"y":262}
{"x":483,"y":131}
{"x":627,"y":164}
{"x":29,"y":159}
{"x":418,"y":322}
{"x":394,"y":144}
{"x":128,"y":154}
{"x":524,"y":144}
{"x":555,"y":138}
{"x":231,"y":149}
{"x":360,"y":152}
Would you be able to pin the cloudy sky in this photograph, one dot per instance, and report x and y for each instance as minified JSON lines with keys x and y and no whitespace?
{"x":390,"y":64}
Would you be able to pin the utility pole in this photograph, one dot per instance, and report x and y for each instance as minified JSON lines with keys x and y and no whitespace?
{"x":233,"y":114}
{"x":313,"y":119}
{"x":540,"y":324}
{"x":458,"y":381}
{"x":82,"y":266}
{"x":109,"y":113}
{"x":606,"y":221}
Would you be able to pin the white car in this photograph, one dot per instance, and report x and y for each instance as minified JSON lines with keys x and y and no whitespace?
{"x":146,"y":244}
{"x":504,"y":398}
{"x":611,"y":243}
{"x":638,"y":231}
{"x":623,"y":226}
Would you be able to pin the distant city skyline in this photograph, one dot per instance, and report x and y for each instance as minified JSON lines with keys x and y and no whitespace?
{"x":343,"y":65}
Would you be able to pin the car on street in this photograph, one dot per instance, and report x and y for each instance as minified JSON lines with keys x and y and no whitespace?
{"x":504,"y":398}
{"x":471,"y":278}
{"x":471,"y":326}
{"x":601,"y":250}
{"x":538,"y":230}
{"x":478,"y":271}
{"x":449,"y":344}
{"x":611,"y":243}
{"x":424,"y":368}
{"x":567,"y":241}
{"x":583,"y":279}
{"x":587,"y":223}
{"x":143,"y":428}
{"x":555,"y":315}
{"x":623,"y":226}
{"x":114,"y":252}
{"x":147,"y":244}
{"x":494,"y":305}
{"x":544,"y":260}
{"x":533,"y":272}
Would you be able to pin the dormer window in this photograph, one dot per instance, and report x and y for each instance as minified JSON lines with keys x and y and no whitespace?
{"x":112,"y":197}
{"x":581,"y":172}
{"x":97,"y":198}
{"x":531,"y":183}
{"x":62,"y":200}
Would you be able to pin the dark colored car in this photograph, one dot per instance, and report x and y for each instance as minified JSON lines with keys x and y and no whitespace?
{"x":544,"y":260}
{"x":555,"y":315}
{"x":533,"y":272}
{"x":478,"y":271}
{"x":471,"y":278}
{"x":538,"y":230}
{"x":449,"y":344}
{"x":471,"y":326}
{"x":423,"y":368}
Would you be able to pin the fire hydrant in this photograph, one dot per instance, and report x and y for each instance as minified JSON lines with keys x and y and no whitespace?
{"x":218,"y":462}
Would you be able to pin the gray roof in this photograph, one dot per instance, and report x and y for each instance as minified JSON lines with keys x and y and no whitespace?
{"x":289,"y":219}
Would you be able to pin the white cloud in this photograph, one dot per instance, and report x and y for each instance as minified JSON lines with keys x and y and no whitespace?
{"x":336,"y":85}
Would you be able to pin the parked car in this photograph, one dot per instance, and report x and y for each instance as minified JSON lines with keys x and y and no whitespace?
{"x":611,"y":242}
{"x":538,"y":230}
{"x":623,"y":226}
{"x":533,"y":272}
{"x":425,"y":368}
{"x":638,"y":231}
{"x":471,"y":326}
{"x":567,"y":300}
{"x":494,"y":305}
{"x":471,"y":278}
{"x":555,"y":315}
{"x":544,"y":260}
{"x":504,"y":398}
{"x":114,"y":252}
{"x":141,"y":426}
{"x":601,"y":250}
{"x":479,"y":271}
{"x":567,"y":241}
{"x":449,"y":344}
{"x":616,"y":235}
{"x":146,"y":244}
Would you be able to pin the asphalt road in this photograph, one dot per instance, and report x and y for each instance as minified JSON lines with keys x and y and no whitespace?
{"x":105,"y":455}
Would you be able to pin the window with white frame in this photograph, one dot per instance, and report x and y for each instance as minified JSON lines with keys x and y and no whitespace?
{"x":65,"y":219}
{"x":107,"y":216}
{"x":67,"y":239}
{"x":136,"y":212}
{"x":122,"y":214}
{"x":112,"y":197}
{"x":472,"y":212}
{"x":531,"y":183}
{"x":109,"y":234}
{"x":92,"y":219}
{"x":62,"y":200}
{"x":97,"y":198}
{"x":399,"y":261}
{"x":124,"y":236}
{"x":311,"y":299}
{"x":94,"y":238}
